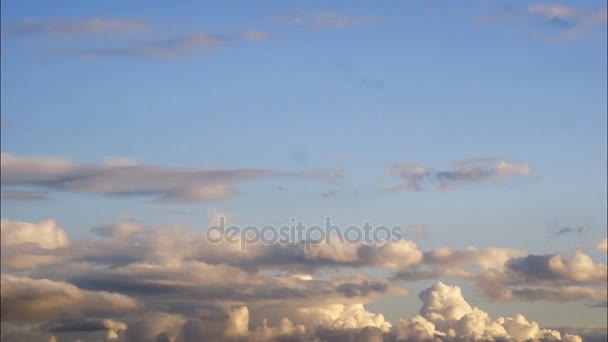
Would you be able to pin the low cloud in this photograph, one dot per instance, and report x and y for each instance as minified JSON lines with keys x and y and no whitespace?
{"x":134,"y":283}
{"x":34,"y":300}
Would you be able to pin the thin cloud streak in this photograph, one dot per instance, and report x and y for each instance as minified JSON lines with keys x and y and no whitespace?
{"x":162,"y":183}
{"x":84,"y":27}
{"x":325,"y":20}
{"x":176,"y":46}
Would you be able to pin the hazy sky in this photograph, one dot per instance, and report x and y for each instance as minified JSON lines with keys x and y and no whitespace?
{"x":471,"y":123}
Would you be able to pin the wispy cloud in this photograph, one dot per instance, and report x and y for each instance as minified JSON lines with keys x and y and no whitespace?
{"x":163,"y":183}
{"x":25,"y":196}
{"x":85,"y":27}
{"x":415,"y":176}
{"x":176,"y":46}
{"x":573,"y":22}
{"x":325,"y":20}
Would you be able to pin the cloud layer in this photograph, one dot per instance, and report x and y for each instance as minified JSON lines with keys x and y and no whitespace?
{"x":137,"y":283}
{"x":129,"y":178}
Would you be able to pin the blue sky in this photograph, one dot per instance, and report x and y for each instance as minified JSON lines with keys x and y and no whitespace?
{"x":343,"y":87}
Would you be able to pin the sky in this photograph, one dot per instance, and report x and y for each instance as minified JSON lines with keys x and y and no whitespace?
{"x":128,"y":128}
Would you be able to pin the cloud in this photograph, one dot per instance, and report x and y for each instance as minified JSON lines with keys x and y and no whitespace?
{"x":478,"y":170}
{"x":22,"y":196}
{"x":84,"y":27}
{"x":325,"y":20}
{"x":33,"y":300}
{"x":177,"y":46}
{"x":578,"y":22}
{"x":137,"y":283}
{"x":45,"y":234}
{"x":602,"y":246}
{"x":556,"y":269}
{"x":446,"y":315}
{"x":572,"y":22}
{"x":162,"y":183}
{"x":554,"y":11}
{"x":112,"y":328}
{"x":508,"y":275}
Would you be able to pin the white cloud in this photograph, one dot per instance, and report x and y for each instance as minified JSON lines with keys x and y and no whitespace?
{"x":45,"y":234}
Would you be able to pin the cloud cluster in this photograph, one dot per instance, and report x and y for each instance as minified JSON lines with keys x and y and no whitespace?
{"x":415,"y":176}
{"x":137,"y":283}
{"x":507,"y":274}
{"x":445,"y":315}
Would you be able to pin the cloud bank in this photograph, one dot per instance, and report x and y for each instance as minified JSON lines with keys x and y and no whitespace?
{"x":136,"y":283}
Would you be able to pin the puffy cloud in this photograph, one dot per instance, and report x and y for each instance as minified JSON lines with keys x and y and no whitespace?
{"x":445,"y":314}
{"x":416,"y":328}
{"x":556,"y":268}
{"x":238,"y":323}
{"x":342,"y":317}
{"x":164,"y":183}
{"x":45,"y":234}
{"x":27,"y":299}
{"x":465,"y":264}
{"x":191,"y":289}
{"x":466,"y":171}
{"x":506,"y":274}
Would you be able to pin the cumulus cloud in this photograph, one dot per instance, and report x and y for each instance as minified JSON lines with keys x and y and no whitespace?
{"x":507,"y":274}
{"x":416,"y":176}
{"x":84,"y":27}
{"x":45,"y":234}
{"x":137,"y":283}
{"x":447,"y":316}
{"x":557,"y":268}
{"x":163,"y":183}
